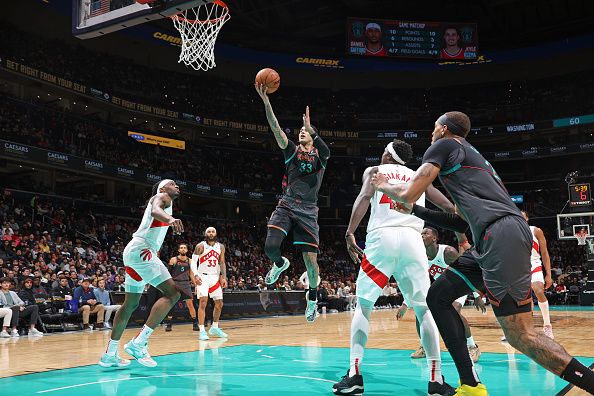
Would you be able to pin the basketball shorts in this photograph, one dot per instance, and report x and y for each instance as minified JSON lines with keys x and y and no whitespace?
{"x":211,"y":286}
{"x":302,"y":218}
{"x":143,"y":267}
{"x":397,"y":252}
{"x":503,"y":253}
{"x":185,"y":288}
{"x":537,"y":274}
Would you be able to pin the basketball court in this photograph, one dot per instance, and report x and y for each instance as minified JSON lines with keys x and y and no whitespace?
{"x":275,"y":355}
{"x":283,"y":355}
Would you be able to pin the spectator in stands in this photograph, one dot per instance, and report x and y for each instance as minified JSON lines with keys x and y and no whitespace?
{"x":62,"y":289}
{"x":118,"y":285}
{"x":88,"y":304}
{"x":103,"y":297}
{"x":10,"y":299}
{"x":73,"y":280}
{"x":26,"y":292}
{"x":38,"y":288}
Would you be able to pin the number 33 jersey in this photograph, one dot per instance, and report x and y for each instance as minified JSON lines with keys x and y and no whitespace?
{"x":208,"y":261}
{"x":382,"y":207}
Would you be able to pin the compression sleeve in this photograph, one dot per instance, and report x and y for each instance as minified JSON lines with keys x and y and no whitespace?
{"x":449,"y":221}
{"x":322,"y":147}
{"x":194,"y":264}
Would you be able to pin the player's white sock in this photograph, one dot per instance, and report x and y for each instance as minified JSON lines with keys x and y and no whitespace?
{"x":215,"y":324}
{"x":430,"y":342}
{"x":359,"y":330}
{"x":112,"y":347}
{"x":144,"y":335}
{"x":470,"y":341}
{"x":544,"y":308}
{"x":201,"y":327}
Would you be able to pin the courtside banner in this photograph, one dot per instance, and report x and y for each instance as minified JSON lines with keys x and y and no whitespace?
{"x":19,"y":152}
{"x":157,"y":140}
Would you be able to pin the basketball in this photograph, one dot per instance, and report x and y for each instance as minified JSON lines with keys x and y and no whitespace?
{"x":270,"y":78}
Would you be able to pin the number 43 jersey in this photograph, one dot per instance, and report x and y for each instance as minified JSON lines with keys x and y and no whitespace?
{"x":382,"y":207}
{"x":208,"y":261}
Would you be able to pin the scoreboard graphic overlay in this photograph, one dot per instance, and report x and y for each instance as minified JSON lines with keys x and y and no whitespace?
{"x":406,"y":39}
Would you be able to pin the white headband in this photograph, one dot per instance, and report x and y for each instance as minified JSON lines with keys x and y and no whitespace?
{"x":162,"y":183}
{"x":210,"y":228}
{"x":391,"y":150}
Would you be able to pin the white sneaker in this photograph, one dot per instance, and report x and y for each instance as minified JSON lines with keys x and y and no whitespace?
{"x":106,"y":325}
{"x":4,"y":334}
{"x":14,"y":333}
{"x":140,"y":353}
{"x":35,"y":332}
{"x":311,"y":309}
{"x":272,"y":275}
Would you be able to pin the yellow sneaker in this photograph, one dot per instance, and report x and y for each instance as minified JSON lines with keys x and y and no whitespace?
{"x":467,"y":390}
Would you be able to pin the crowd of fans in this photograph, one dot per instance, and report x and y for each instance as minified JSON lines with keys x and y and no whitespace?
{"x":49,"y":248}
{"x":507,"y":102}
{"x":210,"y":165}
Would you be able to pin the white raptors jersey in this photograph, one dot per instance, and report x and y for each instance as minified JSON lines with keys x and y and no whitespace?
{"x":438,"y":265}
{"x":208,"y":261}
{"x":535,"y":257}
{"x":152,"y":231}
{"x":382,"y":214}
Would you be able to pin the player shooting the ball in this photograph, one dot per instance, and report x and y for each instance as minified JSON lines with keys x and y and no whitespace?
{"x":297,"y":209}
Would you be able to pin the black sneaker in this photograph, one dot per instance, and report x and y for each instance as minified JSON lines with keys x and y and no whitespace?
{"x":437,"y":389}
{"x":195,"y":326}
{"x":349,"y":385}
{"x":168,"y":327}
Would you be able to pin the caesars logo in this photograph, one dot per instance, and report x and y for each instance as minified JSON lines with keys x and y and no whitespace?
{"x":587,"y":146}
{"x":57,"y":157}
{"x":153,"y":178}
{"x":93,"y":165}
{"x":125,"y":172}
{"x":502,"y":154}
{"x":230,"y":191}
{"x":201,"y":188}
{"x":15,"y":148}
{"x":559,"y":149}
{"x":256,"y":195}
{"x":532,"y":151}
{"x":173,"y":40}
{"x":335,"y":63}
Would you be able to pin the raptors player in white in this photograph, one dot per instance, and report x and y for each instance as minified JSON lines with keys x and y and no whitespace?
{"x":393,"y":247}
{"x":143,"y":267}
{"x":210,"y":276}
{"x":541,"y":282}
{"x":440,"y":257}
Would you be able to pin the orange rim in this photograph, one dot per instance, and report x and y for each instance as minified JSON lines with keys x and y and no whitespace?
{"x":220,"y":3}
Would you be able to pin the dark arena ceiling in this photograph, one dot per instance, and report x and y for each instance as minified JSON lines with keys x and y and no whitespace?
{"x":319,"y":26}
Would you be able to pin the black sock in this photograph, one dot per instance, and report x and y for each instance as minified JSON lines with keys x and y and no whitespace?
{"x":579,"y":375}
{"x":312,"y":295}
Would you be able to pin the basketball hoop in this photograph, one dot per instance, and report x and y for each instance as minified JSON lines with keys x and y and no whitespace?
{"x":199,"y":28}
{"x":581,"y":238}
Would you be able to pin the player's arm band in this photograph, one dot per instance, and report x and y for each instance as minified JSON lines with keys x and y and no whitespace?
{"x":449,"y":221}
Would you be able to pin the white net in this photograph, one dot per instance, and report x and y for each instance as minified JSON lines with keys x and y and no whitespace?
{"x":581,"y":238}
{"x":199,"y":28}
